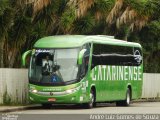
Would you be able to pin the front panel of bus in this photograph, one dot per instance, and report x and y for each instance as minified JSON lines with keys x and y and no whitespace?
{"x":56,"y":77}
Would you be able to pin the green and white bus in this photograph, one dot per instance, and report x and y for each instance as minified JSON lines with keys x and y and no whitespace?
{"x":79,"y":69}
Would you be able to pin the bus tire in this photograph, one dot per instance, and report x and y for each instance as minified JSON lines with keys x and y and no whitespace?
{"x":46,"y":105}
{"x":91,"y":103}
{"x":127,"y":101}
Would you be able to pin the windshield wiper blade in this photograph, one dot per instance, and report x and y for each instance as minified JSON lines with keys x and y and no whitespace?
{"x":71,"y":81}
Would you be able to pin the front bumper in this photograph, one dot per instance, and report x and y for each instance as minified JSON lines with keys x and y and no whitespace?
{"x":73,"y":98}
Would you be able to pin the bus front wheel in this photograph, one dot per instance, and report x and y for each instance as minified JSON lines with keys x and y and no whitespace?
{"x":91,"y":103}
{"x":127,"y":101}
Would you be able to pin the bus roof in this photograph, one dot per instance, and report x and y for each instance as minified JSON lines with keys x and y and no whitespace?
{"x":72,"y":41}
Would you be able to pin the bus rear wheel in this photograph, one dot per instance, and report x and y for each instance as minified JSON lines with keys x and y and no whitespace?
{"x":127,"y":101}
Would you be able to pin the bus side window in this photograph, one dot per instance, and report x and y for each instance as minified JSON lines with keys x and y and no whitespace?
{"x":116,"y":55}
{"x":96,"y":55}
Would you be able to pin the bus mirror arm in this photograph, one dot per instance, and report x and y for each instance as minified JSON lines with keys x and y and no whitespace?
{"x":24,"y":56}
{"x":80,"y":56}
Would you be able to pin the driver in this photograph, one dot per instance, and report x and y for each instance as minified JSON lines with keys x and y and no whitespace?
{"x":47,"y":65}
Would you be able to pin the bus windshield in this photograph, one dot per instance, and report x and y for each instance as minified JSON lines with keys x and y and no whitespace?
{"x":54,"y":66}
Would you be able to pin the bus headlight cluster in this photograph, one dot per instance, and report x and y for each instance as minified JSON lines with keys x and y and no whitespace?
{"x":70,"y":91}
{"x":33,"y":90}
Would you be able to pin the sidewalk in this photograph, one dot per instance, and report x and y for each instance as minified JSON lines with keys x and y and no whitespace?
{"x":4,"y":109}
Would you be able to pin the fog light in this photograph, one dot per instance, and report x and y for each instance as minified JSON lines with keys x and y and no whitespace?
{"x":81,"y":98}
{"x":73,"y":98}
{"x":31,"y":98}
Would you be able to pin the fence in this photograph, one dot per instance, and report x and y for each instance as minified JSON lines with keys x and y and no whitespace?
{"x":14,"y":86}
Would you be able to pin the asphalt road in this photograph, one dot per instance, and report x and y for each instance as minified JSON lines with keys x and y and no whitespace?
{"x":136,"y":111}
{"x":105,"y":108}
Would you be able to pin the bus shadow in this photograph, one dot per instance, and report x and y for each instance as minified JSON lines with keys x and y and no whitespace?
{"x":70,"y":107}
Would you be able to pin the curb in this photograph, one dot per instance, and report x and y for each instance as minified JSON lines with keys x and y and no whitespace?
{"x":147,"y":100}
{"x":17,"y":108}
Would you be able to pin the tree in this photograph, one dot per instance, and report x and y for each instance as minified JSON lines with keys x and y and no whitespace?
{"x":6,"y":15}
{"x":22,"y":22}
{"x":129,"y":15}
{"x":13,"y":31}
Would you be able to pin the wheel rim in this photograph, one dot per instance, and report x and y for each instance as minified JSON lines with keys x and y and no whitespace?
{"x":91,"y":99}
{"x":128,"y":98}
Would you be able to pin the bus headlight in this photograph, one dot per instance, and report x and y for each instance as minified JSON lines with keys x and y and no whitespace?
{"x":70,"y":91}
{"x":34,"y":91}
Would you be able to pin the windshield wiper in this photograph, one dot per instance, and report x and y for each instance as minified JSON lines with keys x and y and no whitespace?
{"x":71,"y":81}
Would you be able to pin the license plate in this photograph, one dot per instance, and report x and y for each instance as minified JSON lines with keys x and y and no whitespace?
{"x":51,"y":99}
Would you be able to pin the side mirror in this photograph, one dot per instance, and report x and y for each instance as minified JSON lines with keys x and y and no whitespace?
{"x":24,"y":57}
{"x":80,"y":56}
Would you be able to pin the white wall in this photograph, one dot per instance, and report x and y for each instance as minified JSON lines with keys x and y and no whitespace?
{"x":151,"y":85}
{"x":14,"y":85}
